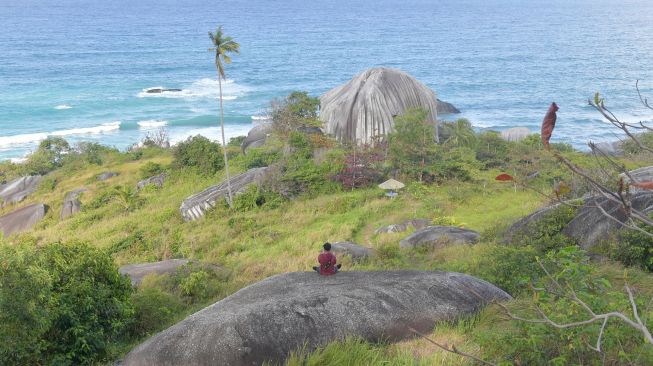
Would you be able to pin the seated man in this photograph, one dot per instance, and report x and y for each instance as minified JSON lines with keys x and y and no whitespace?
{"x":327,"y":262}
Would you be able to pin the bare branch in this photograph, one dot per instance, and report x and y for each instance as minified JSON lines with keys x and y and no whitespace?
{"x":642,"y":99}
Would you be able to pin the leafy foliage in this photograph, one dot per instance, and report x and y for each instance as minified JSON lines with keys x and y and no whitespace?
{"x":199,"y":152}
{"x":361,"y":167}
{"x":61,"y":304}
{"x":296,"y":112}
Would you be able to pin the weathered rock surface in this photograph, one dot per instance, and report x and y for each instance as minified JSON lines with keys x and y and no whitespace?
{"x":17,"y":189}
{"x":614,"y":148}
{"x":268,"y":320}
{"x":446,"y":108}
{"x":364,"y":107}
{"x":22,"y":219}
{"x":590,"y":225}
{"x":417,"y":224}
{"x":521,"y":226}
{"x":71,"y":203}
{"x":355,"y":251}
{"x":137,"y":272}
{"x":196,"y":205}
{"x":436,"y":236}
{"x":256,"y":136}
{"x":515,"y":133}
{"x":156,"y":180}
{"x":107,"y":175}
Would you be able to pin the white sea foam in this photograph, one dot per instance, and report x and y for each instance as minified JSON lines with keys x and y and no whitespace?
{"x":203,"y":88}
{"x":18,"y":160}
{"x":31,"y":138}
{"x":261,"y":118}
{"x":62,"y":106}
{"x":152,"y":123}
{"x":212,"y":133}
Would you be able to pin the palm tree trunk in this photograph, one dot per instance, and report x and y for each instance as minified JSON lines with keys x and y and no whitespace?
{"x":224,"y":146}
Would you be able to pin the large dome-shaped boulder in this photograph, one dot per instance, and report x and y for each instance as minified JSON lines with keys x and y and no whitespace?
{"x":365,"y":107}
{"x":268,"y":320}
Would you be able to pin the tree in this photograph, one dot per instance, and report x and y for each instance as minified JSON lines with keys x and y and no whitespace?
{"x":295,"y":112}
{"x":223,"y":46}
{"x":412,"y":144}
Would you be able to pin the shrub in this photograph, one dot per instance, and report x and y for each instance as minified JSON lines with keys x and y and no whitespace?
{"x":525,"y":343}
{"x":61,"y":304}
{"x":545,"y":234}
{"x":296,"y":112}
{"x":150,"y":169}
{"x":491,"y":150}
{"x":49,"y":156}
{"x":154,"y":309}
{"x":258,"y":157}
{"x":199,"y":152}
{"x":634,"y":248}
{"x":412,"y":144}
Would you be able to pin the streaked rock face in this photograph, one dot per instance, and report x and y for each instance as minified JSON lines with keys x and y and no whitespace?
{"x":196,"y":205}
{"x":515,"y":133}
{"x":71,"y":203}
{"x":137,"y":272}
{"x":268,"y":320}
{"x":364,"y":107}
{"x":22,"y":219}
{"x":19,"y":188}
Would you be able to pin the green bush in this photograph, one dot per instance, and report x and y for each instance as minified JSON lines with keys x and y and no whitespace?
{"x":634,"y":248}
{"x":49,"y":156}
{"x":545,"y":234}
{"x":61,"y":304}
{"x":150,"y":169}
{"x":154,"y":309}
{"x":492,"y":151}
{"x":257,"y":157}
{"x":508,"y":268}
{"x":526,"y":343}
{"x":199,"y":152}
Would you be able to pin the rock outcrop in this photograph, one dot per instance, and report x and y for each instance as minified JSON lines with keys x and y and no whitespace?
{"x":256,"y":136}
{"x":355,"y":251}
{"x":446,"y":108}
{"x":22,"y":219}
{"x":416,"y":224}
{"x":438,"y":236}
{"x":137,"y":272}
{"x":515,"y":133}
{"x":106,"y":175}
{"x":17,"y":189}
{"x":364,"y":108}
{"x":614,"y":148}
{"x":156,"y":180}
{"x":71,"y":203}
{"x":268,"y":320}
{"x":196,"y":205}
{"x":591,"y":226}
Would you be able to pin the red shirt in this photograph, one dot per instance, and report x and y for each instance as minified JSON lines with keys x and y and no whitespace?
{"x":327,"y":263}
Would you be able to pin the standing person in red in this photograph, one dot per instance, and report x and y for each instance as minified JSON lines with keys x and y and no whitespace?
{"x":327,"y":261}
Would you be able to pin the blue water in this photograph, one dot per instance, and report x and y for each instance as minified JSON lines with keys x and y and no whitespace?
{"x":77,"y":68}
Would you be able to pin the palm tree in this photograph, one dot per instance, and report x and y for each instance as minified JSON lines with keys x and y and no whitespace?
{"x":223,"y":45}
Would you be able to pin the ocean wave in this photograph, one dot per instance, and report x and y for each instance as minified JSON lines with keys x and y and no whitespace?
{"x":31,"y":138}
{"x":62,"y":106}
{"x":152,"y":123}
{"x":200,"y":89}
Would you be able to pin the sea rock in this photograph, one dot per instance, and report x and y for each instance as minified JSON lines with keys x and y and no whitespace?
{"x":355,"y":251}
{"x":590,"y":225}
{"x":614,"y":148}
{"x":437,"y":236}
{"x":196,"y":205}
{"x":257,"y":136}
{"x":266,"y":321}
{"x":160,"y":90}
{"x":22,"y":219}
{"x":446,"y":108}
{"x":106,"y":175}
{"x":137,"y":272}
{"x":156,"y":180}
{"x":396,"y":228}
{"x":515,"y":133}
{"x":18,"y":189}
{"x":364,"y":108}
{"x":71,"y":203}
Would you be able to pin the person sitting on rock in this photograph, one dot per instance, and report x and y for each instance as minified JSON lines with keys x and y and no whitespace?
{"x":327,"y":261}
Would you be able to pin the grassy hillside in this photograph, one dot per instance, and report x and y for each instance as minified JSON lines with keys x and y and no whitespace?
{"x":253,"y":241}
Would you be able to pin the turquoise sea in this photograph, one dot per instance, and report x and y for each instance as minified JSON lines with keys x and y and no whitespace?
{"x":78,"y":68}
